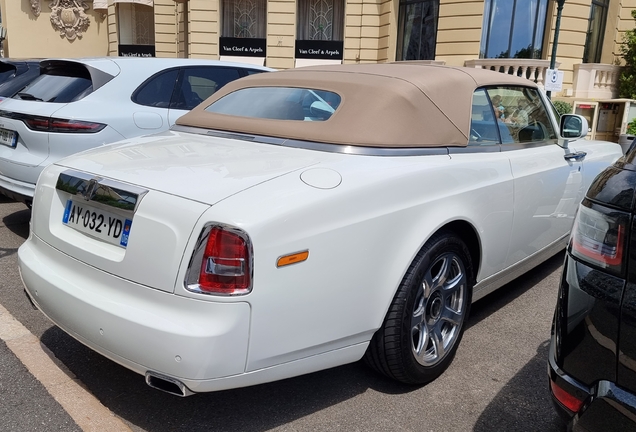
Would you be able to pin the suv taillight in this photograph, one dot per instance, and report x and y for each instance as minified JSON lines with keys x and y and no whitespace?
{"x":599,"y":236}
{"x":221,"y":263}
{"x":46,"y":124}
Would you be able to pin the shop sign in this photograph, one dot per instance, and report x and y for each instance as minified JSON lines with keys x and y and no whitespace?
{"x":137,"y":50}
{"x":319,"y":49}
{"x":242,"y":47}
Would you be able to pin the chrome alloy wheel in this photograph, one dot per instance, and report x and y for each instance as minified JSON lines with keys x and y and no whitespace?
{"x":439,"y":310}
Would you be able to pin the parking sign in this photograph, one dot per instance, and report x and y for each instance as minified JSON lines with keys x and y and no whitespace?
{"x":553,"y":80}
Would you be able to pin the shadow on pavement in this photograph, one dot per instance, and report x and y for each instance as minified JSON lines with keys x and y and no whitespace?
{"x":486,"y":306}
{"x":256,"y":408}
{"x":18,"y":221}
{"x":517,"y":405}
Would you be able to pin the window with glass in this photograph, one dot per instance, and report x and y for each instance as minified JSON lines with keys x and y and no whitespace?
{"x":59,"y":84}
{"x":244,"y":19}
{"x":417,"y":29}
{"x":199,"y":83}
{"x":513,"y":28}
{"x":278,"y":103}
{"x":136,"y":24}
{"x":509,"y":115}
{"x":321,"y":20}
{"x":595,"y":31}
{"x":157,"y":90}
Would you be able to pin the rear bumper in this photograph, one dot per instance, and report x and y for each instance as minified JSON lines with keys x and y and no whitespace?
{"x":17,"y":190}
{"x":141,"y":328}
{"x":606,"y":407}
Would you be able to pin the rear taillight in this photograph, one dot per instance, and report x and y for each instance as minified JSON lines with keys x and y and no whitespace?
{"x":566,"y":399}
{"x":221,"y":263}
{"x":74,"y":126}
{"x":56,"y":125}
{"x":599,"y":236}
{"x":36,"y":123}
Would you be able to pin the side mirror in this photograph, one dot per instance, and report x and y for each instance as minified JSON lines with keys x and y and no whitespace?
{"x":573,"y":126}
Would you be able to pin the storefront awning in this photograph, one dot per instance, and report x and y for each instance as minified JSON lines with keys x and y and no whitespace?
{"x":103,"y":4}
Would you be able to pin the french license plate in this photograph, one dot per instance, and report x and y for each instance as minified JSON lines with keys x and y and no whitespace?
{"x":96,"y":222}
{"x":8,"y":138}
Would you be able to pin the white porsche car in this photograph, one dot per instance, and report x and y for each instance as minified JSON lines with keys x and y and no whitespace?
{"x":77,"y":104}
{"x":305,"y":219}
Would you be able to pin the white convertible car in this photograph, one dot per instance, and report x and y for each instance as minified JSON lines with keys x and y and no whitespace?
{"x":305,"y":219}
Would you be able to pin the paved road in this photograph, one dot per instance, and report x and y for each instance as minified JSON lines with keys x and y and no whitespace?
{"x":496,"y":382}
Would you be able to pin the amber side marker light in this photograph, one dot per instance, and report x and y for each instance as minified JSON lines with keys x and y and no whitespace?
{"x":566,"y":399}
{"x":294,"y":258}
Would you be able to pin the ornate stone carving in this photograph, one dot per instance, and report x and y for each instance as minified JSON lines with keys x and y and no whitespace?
{"x":35,"y":7}
{"x":69,"y":17}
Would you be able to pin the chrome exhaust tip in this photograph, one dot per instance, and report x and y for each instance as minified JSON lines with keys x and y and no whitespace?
{"x":167,"y":384}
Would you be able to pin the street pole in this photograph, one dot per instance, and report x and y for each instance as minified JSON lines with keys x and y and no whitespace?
{"x":556,"y":39}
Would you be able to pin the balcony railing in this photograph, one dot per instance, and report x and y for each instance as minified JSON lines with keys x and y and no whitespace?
{"x":532,"y":69}
{"x":595,"y":81}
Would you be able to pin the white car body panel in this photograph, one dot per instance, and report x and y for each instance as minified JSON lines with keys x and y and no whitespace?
{"x":162,"y":221}
{"x":174,"y":114}
{"x":228,"y":166}
{"x":33,"y":147}
{"x":184,"y":336}
{"x":547,"y":193}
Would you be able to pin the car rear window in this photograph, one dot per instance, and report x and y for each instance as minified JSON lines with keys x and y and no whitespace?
{"x":13,"y":85}
{"x":279,"y":103}
{"x":59,"y":84}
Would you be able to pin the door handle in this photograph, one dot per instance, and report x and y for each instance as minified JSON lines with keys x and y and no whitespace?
{"x":578,"y":156}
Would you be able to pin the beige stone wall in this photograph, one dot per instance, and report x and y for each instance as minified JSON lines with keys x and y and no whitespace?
{"x":31,"y":36}
{"x":368,"y":27}
{"x":623,"y":22}
{"x":388,"y":31}
{"x":204,"y":28}
{"x":113,"y":40}
{"x":166,"y":29}
{"x":281,"y":33}
{"x":192,"y":29}
{"x":611,"y":41}
{"x":572,"y":34}
{"x":183,"y":30}
{"x":459,"y":31}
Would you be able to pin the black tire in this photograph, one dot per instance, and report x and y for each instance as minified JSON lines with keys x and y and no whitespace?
{"x":403,"y":348}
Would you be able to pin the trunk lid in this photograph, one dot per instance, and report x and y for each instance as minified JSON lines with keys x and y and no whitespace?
{"x":197,"y":167}
{"x":158,"y":187}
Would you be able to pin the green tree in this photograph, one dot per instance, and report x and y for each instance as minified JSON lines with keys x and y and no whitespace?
{"x":627,"y":79}
{"x":562,"y":107}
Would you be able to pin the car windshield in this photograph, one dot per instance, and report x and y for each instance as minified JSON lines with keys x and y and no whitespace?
{"x":279,"y":103}
{"x":57,"y":88}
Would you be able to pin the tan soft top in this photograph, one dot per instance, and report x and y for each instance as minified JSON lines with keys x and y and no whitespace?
{"x":383,"y":105}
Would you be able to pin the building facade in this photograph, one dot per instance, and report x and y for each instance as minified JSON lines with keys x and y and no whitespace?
{"x":513,"y":36}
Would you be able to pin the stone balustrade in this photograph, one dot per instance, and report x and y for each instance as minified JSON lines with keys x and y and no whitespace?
{"x":532,"y":69}
{"x":595,"y":81}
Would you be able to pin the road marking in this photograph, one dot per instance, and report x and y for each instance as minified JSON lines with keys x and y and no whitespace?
{"x":85,"y":409}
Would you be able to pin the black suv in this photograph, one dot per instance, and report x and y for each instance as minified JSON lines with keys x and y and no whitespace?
{"x":592,"y":359}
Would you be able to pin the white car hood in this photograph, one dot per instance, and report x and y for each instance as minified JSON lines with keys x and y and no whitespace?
{"x":197,"y":167}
